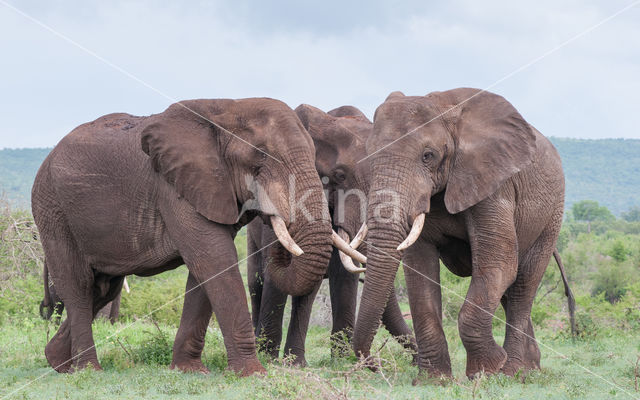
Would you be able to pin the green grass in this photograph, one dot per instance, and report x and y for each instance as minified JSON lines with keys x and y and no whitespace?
{"x":135,"y":359}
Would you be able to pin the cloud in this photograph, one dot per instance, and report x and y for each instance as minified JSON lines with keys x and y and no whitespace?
{"x":326,"y":54}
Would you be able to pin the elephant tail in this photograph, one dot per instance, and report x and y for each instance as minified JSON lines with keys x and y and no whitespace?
{"x":46,"y":308}
{"x":567,"y":291}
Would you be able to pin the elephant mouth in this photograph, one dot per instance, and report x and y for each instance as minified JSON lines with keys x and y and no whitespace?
{"x":339,"y":240}
{"x":347,"y":260}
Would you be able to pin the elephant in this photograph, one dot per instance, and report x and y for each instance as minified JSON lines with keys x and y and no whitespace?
{"x":339,"y":137}
{"x":138,"y":195}
{"x":491,"y":187}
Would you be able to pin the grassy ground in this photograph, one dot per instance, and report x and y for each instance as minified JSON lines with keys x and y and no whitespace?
{"x":135,"y":357}
{"x":602,"y":362}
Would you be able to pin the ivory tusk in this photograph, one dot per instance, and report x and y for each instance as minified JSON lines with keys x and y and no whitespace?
{"x":346,"y":261}
{"x":416,"y":229}
{"x":126,"y":285}
{"x":344,"y":246}
{"x":362,"y":233}
{"x":279,"y":227}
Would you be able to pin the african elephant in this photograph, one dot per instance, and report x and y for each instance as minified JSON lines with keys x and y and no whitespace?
{"x":140,"y":195}
{"x":339,"y":137}
{"x":493,"y":189}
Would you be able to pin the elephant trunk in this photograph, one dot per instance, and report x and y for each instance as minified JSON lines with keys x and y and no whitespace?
{"x":310,"y":229}
{"x":382,"y":265}
{"x":388,"y":222}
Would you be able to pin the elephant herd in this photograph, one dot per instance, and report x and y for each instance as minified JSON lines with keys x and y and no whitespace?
{"x":457,"y":177}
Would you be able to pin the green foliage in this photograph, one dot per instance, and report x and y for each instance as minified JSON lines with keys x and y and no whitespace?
{"x":590,"y":210}
{"x":159,"y":297}
{"x":157,"y":349}
{"x":618,"y":251}
{"x":610,"y":282}
{"x":632,"y":215}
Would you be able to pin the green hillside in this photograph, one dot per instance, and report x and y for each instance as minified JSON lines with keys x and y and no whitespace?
{"x":18,"y":168}
{"x":605,"y":170}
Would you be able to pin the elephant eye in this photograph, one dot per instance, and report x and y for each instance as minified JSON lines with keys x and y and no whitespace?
{"x":427,"y":156}
{"x":339,"y":176}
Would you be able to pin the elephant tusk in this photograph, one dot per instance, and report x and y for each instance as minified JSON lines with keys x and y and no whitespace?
{"x":416,"y":229}
{"x":344,"y":246}
{"x":346,"y":261}
{"x":126,"y":285}
{"x":277,"y":223}
{"x":362,"y":233}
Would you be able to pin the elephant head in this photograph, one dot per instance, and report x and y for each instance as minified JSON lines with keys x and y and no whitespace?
{"x":462,"y":144}
{"x":233,"y":160}
{"x":339,"y":137}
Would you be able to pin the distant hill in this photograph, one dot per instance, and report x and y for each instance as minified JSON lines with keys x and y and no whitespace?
{"x":605,"y":170}
{"x":18,"y":168}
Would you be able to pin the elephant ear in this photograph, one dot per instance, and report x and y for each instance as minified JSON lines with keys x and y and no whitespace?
{"x":184,"y":149}
{"x":493,"y":142}
{"x":320,"y":126}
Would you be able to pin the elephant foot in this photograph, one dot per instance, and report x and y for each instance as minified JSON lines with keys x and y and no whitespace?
{"x":88,"y":363}
{"x":434,"y":368}
{"x":192,"y":365}
{"x":247,"y":367}
{"x":432,"y":378}
{"x":490,"y":361}
{"x":58,"y":351}
{"x":269,"y":349}
{"x":296,"y":360}
{"x":512,"y":366}
{"x":525,"y":355}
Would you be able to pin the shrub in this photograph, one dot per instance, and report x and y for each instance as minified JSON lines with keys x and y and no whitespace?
{"x":611,"y":282}
{"x":159,"y":297}
{"x":618,"y":251}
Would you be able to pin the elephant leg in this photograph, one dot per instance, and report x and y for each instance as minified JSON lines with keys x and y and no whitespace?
{"x":189,"y":342}
{"x":104,"y":312}
{"x":393,"y":320}
{"x":114,"y":313}
{"x":519,"y":343}
{"x":495,"y":265}
{"x":343,"y":288}
{"x":107,"y":291}
{"x":107,"y":297}
{"x":422,"y":276}
{"x":72,"y":347}
{"x":269,"y":327}
{"x":255,"y":278}
{"x":298,"y":327}
{"x":210,"y":255}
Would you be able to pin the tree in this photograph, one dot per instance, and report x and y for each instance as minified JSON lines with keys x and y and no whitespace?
{"x":590,"y":210}
{"x":632,"y":215}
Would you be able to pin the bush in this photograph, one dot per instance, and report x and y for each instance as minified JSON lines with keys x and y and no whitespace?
{"x":159,"y":297}
{"x":618,"y":251}
{"x":611,"y":282}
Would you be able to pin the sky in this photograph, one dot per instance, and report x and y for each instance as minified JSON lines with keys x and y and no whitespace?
{"x":141,"y":56}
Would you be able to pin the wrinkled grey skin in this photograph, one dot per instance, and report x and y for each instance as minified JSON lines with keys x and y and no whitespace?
{"x":339,"y":137}
{"x":493,"y":190}
{"x":140,"y":195}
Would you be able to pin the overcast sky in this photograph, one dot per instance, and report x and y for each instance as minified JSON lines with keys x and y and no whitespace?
{"x":326,"y":53}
